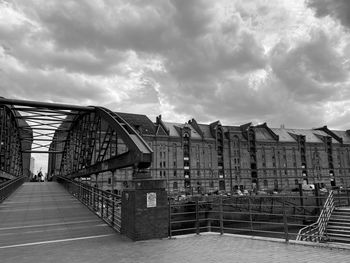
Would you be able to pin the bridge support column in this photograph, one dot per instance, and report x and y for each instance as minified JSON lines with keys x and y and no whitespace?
{"x":145,"y":209}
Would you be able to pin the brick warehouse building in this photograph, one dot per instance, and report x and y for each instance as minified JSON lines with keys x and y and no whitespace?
{"x":202,"y":158}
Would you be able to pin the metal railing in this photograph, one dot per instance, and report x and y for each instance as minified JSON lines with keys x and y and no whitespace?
{"x":269,"y":216}
{"x":104,"y":204}
{"x":9,"y":187}
{"x":316,"y":231}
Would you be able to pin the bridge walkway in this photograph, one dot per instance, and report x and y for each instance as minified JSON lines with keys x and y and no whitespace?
{"x":41,"y":213}
{"x":41,"y":222}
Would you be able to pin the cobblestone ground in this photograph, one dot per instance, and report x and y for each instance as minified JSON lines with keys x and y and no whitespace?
{"x":204,"y":248}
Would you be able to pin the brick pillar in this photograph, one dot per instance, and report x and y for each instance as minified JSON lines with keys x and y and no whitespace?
{"x":145,"y":210}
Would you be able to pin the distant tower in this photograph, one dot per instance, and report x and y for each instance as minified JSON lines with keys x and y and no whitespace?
{"x":32,"y":164}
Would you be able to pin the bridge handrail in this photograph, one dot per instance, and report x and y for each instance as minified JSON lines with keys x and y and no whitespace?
{"x":9,"y":187}
{"x":316,"y":231}
{"x":104,"y":204}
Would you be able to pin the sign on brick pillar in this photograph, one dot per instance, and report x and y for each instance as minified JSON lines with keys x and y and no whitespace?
{"x":145,"y":210}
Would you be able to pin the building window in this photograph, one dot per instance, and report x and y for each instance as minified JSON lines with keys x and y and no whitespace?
{"x":266,"y":184}
{"x":175,"y":185}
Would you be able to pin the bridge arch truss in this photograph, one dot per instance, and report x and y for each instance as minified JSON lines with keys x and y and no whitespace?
{"x":80,"y":140}
{"x":11,"y":159}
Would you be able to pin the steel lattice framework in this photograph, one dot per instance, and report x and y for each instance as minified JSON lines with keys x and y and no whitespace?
{"x":10,"y":144}
{"x":99,"y":141}
{"x":80,"y":140}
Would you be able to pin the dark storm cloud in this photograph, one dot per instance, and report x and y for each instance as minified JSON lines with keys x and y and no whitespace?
{"x":339,"y":9}
{"x":188,"y":57}
{"x":35,"y":85}
{"x":311,"y":70}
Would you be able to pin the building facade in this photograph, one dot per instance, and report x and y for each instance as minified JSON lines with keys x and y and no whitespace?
{"x":199,"y":158}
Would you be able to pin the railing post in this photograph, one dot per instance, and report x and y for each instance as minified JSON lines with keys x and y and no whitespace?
{"x":221,"y":217}
{"x":91,"y":197}
{"x":169,"y":210}
{"x":208,"y":221}
{"x":285,"y":222}
{"x":197,"y":218}
{"x":113,"y":209}
{"x":272,"y":204}
{"x":107,"y":206}
{"x":250,"y":213}
{"x":101,"y":196}
{"x":94,"y":199}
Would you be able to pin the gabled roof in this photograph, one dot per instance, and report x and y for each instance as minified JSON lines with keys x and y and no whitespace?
{"x":330,"y":133}
{"x":265,"y":133}
{"x":175,"y":129}
{"x":205,"y":128}
{"x":344,"y":135}
{"x":195,"y":126}
{"x":213,"y":126}
{"x":236,"y":130}
{"x":160,"y":131}
{"x":139,"y":122}
{"x":261,"y":134}
{"x":324,"y":134}
{"x":310,"y":135}
{"x":283,"y":135}
{"x":246,"y":126}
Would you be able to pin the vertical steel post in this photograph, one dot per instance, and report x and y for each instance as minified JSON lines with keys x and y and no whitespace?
{"x":100,"y":196}
{"x":197,"y":218}
{"x":221,"y":217}
{"x":113,"y":181}
{"x":106,"y":198}
{"x":94,"y":198}
{"x":250,"y":213}
{"x":170,"y":228}
{"x":285,"y":222}
{"x":113,"y":209}
{"x":80,"y":190}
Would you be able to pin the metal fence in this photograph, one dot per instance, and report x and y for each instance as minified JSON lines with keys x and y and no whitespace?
{"x":9,"y":187}
{"x":104,"y":204}
{"x":316,"y":232}
{"x":279,"y":216}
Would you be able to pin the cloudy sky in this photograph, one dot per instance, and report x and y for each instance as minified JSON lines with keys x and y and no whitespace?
{"x":238,"y":61}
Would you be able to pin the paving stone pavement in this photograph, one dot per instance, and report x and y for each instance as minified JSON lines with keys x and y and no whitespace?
{"x":49,"y":239}
{"x":203,"y":248}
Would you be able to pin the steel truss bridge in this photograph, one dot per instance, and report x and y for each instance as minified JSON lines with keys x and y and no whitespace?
{"x":80,"y":140}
